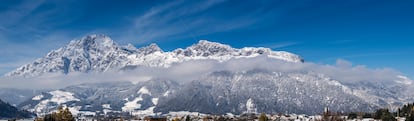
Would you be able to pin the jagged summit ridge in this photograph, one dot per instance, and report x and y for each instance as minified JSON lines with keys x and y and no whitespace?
{"x":152,"y":48}
{"x":206,"y":48}
{"x":90,"y":53}
{"x":96,"y":40}
{"x":212,"y":50}
{"x":99,"y":53}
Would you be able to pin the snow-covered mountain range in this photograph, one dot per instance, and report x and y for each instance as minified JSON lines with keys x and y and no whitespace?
{"x":216,"y":92}
{"x":99,"y":53}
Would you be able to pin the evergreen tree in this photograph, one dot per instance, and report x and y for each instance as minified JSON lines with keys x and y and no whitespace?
{"x":50,"y":117}
{"x":367,"y":115}
{"x":60,"y":115}
{"x":352,"y":115}
{"x":384,"y":115}
{"x":176,"y":119}
{"x":410,"y":118}
{"x":263,"y":117}
{"x":187,"y":118}
{"x":407,"y":111}
{"x":221,"y":118}
{"x":388,"y":117}
{"x":67,"y":115}
{"x":378,"y":114}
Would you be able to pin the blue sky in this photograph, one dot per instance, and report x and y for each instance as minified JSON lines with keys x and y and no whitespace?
{"x":374,"y":33}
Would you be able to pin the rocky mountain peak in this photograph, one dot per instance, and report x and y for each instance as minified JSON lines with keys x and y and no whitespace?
{"x":95,"y":41}
{"x":150,"y":49}
{"x":206,"y":48}
{"x":99,"y":53}
{"x":205,"y":44}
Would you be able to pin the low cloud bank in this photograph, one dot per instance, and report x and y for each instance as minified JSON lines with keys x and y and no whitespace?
{"x":343,"y":71}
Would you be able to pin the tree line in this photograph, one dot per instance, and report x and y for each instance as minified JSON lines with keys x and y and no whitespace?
{"x":406,"y":111}
{"x":60,"y":115}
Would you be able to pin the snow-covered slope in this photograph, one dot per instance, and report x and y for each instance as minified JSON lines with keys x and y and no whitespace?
{"x":219,"y":92}
{"x":99,"y":53}
{"x":17,"y":96}
{"x":236,"y":92}
{"x":139,"y":99}
{"x":56,"y":98}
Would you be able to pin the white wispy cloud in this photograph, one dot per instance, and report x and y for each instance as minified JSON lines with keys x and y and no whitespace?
{"x":19,"y":12}
{"x":183,"y":19}
{"x":276,"y":45}
{"x":30,"y":32}
{"x":363,"y":55}
{"x":371,"y":54}
{"x":15,"y":54}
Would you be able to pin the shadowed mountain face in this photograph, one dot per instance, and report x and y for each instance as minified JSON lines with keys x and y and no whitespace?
{"x":17,"y":96}
{"x":224,"y":91}
{"x":8,"y":111}
{"x":215,"y":93}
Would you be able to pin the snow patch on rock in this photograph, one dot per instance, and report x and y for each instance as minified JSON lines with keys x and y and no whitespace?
{"x":144,"y":90}
{"x":132,"y":105}
{"x":59,"y":97}
{"x":38,"y":97}
{"x":154,"y":101}
{"x":106,"y":106}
